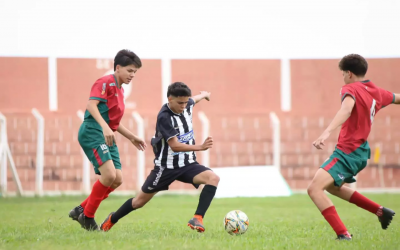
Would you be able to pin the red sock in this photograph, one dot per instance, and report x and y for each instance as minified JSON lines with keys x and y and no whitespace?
{"x":83,"y":204}
{"x":109,"y":190}
{"x":365,"y":203}
{"x":333,"y":219}
{"x":95,"y":198}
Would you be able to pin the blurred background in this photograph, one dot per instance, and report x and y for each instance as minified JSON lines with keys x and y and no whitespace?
{"x":255,"y":57}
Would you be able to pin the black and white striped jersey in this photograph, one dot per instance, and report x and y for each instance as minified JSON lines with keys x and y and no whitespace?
{"x":169,"y":125}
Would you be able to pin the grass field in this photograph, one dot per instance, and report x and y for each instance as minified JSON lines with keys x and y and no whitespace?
{"x":275,"y":223}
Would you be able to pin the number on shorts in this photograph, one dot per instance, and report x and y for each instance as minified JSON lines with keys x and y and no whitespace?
{"x":103,"y":147}
{"x":373,"y":110}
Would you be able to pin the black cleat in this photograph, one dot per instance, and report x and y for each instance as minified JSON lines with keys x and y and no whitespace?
{"x":74,"y":213}
{"x":87,"y":223}
{"x":386,"y":217}
{"x":344,"y":237}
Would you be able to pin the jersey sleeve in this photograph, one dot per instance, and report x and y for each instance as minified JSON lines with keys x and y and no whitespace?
{"x":99,"y":91}
{"x":347,"y":91}
{"x":166,"y":126}
{"x":191,"y":102}
{"x":387,"y":97}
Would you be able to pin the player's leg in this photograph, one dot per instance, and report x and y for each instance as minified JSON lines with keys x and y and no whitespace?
{"x":99,"y":190}
{"x":385,"y":215}
{"x":158,"y":180}
{"x":118,"y":173}
{"x":130,"y":205}
{"x":75,"y":212}
{"x":197,"y":175}
{"x":322,"y":180}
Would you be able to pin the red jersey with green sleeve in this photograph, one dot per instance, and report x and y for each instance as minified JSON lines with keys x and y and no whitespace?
{"x":111,"y":97}
{"x":369,"y":100}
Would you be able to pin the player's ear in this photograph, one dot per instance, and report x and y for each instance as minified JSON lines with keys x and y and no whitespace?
{"x":117,"y":68}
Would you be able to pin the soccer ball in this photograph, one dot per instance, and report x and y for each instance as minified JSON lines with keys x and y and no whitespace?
{"x":236,"y":222}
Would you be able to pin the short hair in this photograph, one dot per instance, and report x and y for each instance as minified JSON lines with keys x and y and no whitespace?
{"x":354,"y":63}
{"x":126,"y":57}
{"x":178,"y":89}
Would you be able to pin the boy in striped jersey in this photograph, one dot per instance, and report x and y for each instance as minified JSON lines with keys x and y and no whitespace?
{"x":175,"y":159}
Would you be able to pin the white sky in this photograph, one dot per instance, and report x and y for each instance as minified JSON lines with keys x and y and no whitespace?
{"x":200,"y":28}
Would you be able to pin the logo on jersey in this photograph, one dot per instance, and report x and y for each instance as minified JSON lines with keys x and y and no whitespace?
{"x":104,"y":88}
{"x":104,"y":148}
{"x":185,"y":137}
{"x":116,"y":94}
{"x":112,"y":84}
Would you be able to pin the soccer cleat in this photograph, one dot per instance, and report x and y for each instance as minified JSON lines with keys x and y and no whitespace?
{"x":74,"y":213}
{"x":386,"y":217}
{"x":196,"y":224}
{"x":344,"y":237}
{"x":87,"y":223}
{"x":107,"y":224}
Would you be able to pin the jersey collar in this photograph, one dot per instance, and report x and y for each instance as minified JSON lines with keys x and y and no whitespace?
{"x":116,"y":81}
{"x":171,"y":110}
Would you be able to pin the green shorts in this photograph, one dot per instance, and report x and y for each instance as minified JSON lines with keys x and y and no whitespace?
{"x":91,"y":139}
{"x":344,"y":167}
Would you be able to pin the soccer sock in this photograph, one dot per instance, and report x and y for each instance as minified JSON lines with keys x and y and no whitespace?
{"x":333,"y":219}
{"x":125,"y":209}
{"x":206,"y":196}
{"x":82,"y":206}
{"x":95,"y":198}
{"x":109,"y":190}
{"x":365,"y":203}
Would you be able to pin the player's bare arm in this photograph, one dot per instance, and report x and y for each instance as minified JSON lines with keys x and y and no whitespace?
{"x":341,"y":116}
{"x":94,"y":111}
{"x":139,"y":143}
{"x":397,"y":99}
{"x":203,"y":95}
{"x":176,"y":146}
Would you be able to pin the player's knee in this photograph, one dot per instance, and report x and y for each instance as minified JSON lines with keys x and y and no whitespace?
{"x":311,"y":189}
{"x":138,"y":203}
{"x":213,"y":179}
{"x":117,"y":182}
{"x":108,"y":178}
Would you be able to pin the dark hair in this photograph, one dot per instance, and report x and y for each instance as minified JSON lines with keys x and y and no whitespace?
{"x":126,"y":57}
{"x":354,"y":63}
{"x":178,"y":89}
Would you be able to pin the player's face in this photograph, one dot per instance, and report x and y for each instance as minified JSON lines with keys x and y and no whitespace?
{"x":127,"y":73}
{"x":347,"y":75}
{"x":178,"y":104}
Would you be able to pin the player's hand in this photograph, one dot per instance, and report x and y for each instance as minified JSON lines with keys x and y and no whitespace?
{"x":208,"y":143}
{"x":139,"y":143}
{"x":109,"y":136}
{"x":321,"y":140}
{"x":206,"y":95}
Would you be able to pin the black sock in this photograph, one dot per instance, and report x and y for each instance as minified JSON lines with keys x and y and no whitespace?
{"x":206,"y":196}
{"x":125,"y":209}
{"x":80,"y":209}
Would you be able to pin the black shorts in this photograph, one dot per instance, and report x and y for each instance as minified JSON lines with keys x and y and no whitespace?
{"x":160,"y":178}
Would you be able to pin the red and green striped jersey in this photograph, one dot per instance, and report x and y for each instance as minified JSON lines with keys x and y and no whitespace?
{"x":369,"y":100}
{"x":111,"y":99}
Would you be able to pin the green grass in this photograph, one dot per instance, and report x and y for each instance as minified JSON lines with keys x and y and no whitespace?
{"x":275,"y":223}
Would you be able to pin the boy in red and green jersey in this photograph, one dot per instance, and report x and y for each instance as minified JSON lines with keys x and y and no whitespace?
{"x":361,"y":101}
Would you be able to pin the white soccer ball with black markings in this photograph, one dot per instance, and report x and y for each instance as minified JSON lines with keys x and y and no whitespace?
{"x":236,"y":222}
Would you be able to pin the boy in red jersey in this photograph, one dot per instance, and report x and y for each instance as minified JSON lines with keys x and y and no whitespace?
{"x":103,"y":114}
{"x":361,"y":100}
